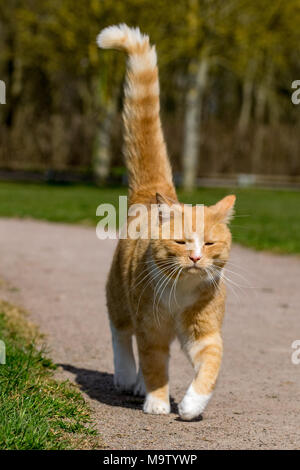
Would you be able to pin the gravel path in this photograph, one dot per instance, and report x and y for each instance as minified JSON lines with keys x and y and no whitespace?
{"x":58,"y":273}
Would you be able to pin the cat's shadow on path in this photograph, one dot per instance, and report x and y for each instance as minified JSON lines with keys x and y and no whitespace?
{"x":99,"y":386}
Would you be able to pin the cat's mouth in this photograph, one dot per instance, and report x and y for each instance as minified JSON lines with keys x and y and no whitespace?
{"x":194,"y":269}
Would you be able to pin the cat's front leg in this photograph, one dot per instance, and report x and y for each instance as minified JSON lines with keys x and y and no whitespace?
{"x":154,"y":360}
{"x":205,"y":354}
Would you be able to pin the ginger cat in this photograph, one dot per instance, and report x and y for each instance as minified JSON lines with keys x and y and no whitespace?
{"x":147,"y":273}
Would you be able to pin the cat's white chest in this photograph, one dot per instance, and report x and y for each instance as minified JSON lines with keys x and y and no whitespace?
{"x":186,"y":292}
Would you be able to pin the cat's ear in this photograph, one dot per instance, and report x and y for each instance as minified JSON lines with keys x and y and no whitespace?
{"x":161,"y":199}
{"x":164,"y":207}
{"x":224,"y":209}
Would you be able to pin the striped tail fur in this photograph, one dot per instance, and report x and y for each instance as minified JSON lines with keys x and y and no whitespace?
{"x":145,"y":149}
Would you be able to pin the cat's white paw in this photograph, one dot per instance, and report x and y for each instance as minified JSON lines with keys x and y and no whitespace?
{"x":154,"y":405}
{"x":139,"y":388}
{"x":192,"y":404}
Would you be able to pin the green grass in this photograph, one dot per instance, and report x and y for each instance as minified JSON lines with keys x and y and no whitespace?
{"x":265,"y":219}
{"x":36,"y":411}
{"x":57,"y":203}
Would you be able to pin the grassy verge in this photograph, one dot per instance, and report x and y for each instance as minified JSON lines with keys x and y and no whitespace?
{"x":265,"y":219}
{"x":36,"y":411}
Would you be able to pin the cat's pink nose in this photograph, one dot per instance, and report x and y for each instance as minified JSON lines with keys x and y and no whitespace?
{"x":195,"y":258}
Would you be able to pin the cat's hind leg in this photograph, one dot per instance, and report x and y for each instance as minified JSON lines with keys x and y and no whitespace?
{"x":140,"y":387}
{"x":124,"y":363}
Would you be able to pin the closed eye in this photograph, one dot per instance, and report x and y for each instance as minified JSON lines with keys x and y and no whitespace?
{"x":180,"y":242}
{"x":209,"y":243}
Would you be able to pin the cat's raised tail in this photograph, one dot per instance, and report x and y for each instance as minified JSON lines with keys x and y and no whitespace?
{"x":145,"y":150}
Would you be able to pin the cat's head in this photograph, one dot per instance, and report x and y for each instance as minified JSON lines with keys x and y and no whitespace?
{"x":204,"y":242}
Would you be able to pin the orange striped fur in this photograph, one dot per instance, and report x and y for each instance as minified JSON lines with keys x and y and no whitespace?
{"x":146,"y":274}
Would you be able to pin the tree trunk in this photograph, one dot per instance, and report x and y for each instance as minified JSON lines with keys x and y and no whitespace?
{"x":262,"y":94}
{"x":103,"y":156}
{"x":245,"y":113}
{"x":198,"y":73}
{"x":261,"y":100}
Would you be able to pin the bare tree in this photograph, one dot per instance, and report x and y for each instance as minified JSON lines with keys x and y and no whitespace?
{"x":103,"y":153}
{"x":198,"y":74}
